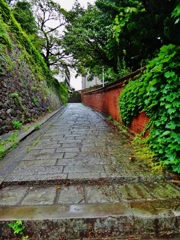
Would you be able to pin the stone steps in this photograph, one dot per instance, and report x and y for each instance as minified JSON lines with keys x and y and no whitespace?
{"x":115,"y":220}
{"x":80,"y":211}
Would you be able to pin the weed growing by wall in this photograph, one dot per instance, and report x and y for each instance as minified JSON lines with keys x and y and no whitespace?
{"x":13,"y":140}
{"x":16,"y":95}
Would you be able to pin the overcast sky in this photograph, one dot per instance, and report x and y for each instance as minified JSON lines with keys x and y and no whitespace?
{"x":67,"y":4}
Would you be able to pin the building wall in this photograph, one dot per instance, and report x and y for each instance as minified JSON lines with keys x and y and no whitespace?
{"x":105,"y":100}
{"x":88,"y":84}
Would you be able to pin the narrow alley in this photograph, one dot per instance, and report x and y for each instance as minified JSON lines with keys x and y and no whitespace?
{"x":75,"y":179}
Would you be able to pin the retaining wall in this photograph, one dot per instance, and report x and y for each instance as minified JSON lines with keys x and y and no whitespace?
{"x":23,"y":97}
{"x":105,"y":100}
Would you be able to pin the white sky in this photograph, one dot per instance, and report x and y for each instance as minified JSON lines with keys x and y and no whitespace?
{"x":67,"y":4}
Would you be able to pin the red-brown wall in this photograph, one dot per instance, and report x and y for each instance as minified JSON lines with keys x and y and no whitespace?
{"x":105,"y":100}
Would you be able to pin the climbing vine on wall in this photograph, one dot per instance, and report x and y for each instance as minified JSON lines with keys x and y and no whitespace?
{"x":131,"y":100}
{"x":157,"y":92}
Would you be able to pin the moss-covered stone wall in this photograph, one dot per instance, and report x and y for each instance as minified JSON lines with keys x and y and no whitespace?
{"x":27,"y":88}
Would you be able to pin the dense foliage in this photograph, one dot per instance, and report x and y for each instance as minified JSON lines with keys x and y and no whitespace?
{"x":119,"y":35}
{"x":23,"y":14}
{"x":157,"y":92}
{"x":141,"y":29}
{"x":89,"y":39}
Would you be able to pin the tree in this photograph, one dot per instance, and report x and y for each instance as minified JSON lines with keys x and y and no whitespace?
{"x":23,"y":14}
{"x":86,"y":40}
{"x":50,"y":22}
{"x":89,"y":37}
{"x":120,"y":35}
{"x":141,"y":29}
{"x":10,"y":1}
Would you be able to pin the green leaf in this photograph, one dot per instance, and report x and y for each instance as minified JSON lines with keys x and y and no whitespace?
{"x":176,"y":168}
{"x":176,"y":104}
{"x":171,"y":125}
{"x":171,"y":110}
{"x":167,"y":105}
{"x":152,"y":89}
{"x":176,"y":11}
{"x":177,"y":21}
{"x":157,"y":68}
{"x":169,"y":74}
{"x":153,"y":82}
{"x":170,"y":97}
{"x":166,"y":133}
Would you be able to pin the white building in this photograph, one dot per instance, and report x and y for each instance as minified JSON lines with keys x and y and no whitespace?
{"x":87,"y":84}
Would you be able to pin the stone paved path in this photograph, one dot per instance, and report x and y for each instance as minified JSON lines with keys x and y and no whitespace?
{"x":79,"y":181}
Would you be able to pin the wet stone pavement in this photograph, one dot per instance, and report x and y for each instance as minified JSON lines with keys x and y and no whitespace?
{"x":79,"y":182}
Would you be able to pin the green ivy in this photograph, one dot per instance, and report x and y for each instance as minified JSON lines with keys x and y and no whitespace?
{"x":157,"y":92}
{"x":130,"y":101}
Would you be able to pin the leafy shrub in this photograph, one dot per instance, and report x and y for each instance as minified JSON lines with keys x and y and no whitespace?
{"x":157,"y":92}
{"x":2,"y":149}
{"x":75,"y":94}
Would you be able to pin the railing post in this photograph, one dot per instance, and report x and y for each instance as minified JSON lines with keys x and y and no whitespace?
{"x":103,"y":76}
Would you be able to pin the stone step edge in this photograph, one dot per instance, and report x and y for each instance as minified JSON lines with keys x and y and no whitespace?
{"x":113,"y":219}
{"x":68,"y":181}
{"x":87,"y":211}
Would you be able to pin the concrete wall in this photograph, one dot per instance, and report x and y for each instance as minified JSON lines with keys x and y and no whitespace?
{"x":105,"y":100}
